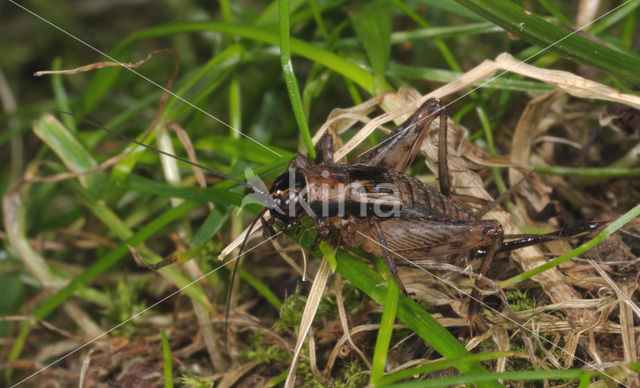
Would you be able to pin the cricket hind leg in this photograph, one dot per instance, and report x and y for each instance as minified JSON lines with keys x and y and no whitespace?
{"x":398,"y":150}
{"x":525,"y":240}
{"x":492,"y":231}
{"x":499,"y":245}
{"x":443,"y":167}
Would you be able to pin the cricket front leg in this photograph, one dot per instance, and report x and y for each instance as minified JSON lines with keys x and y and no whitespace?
{"x":326,"y":146}
{"x":300,"y":161}
{"x":398,"y":150}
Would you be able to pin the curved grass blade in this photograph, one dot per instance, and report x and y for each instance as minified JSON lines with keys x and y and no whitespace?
{"x":477,"y":378}
{"x":290,"y":78}
{"x":168,"y":364}
{"x":439,"y":365}
{"x":72,"y":153}
{"x":384,"y":333}
{"x":372,"y":22}
{"x":538,"y":31}
{"x":444,"y":76}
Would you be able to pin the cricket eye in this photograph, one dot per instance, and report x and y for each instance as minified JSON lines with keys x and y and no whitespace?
{"x":488,"y":230}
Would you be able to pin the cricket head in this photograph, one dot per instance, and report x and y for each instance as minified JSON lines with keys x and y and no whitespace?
{"x":287,"y":193}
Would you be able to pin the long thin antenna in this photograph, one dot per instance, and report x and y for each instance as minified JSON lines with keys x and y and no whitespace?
{"x":235,"y":270}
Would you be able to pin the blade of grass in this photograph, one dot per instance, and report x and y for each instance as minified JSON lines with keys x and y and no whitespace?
{"x":488,"y":134}
{"x":569,"y":374}
{"x":555,"y":12}
{"x":327,"y":252}
{"x":60,"y":94}
{"x":228,"y":57}
{"x":372,"y":22}
{"x":538,"y":31}
{"x":212,"y":224}
{"x":168,"y":364}
{"x":72,"y":153}
{"x":261,"y":288}
{"x":271,"y":15}
{"x":439,"y":365}
{"x":450,"y":6}
{"x":596,"y":172}
{"x":384,"y":333}
{"x":628,"y":29}
{"x":290,"y":78}
{"x":614,"y":17}
{"x":317,"y":16}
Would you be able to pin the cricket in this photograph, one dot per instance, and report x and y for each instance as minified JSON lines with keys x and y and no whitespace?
{"x":375,"y":206}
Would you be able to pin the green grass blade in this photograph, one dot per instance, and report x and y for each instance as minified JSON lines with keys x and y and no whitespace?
{"x":317,"y":16}
{"x":614,"y":17}
{"x":384,"y":333}
{"x":261,"y":288}
{"x":444,"y":76}
{"x":439,"y":365}
{"x":558,"y":374}
{"x":72,"y":153}
{"x":168,"y":364}
{"x":243,"y":149}
{"x":538,"y":31}
{"x":450,"y":6}
{"x":444,"y":49}
{"x":228,"y":57}
{"x":212,"y":224}
{"x":290,"y":78}
{"x":555,"y":12}
{"x":60,"y":94}
{"x":594,"y":172}
{"x":372,"y":22}
{"x":271,"y":15}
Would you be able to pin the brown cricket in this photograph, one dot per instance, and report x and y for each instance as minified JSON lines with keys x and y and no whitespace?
{"x":375,"y":206}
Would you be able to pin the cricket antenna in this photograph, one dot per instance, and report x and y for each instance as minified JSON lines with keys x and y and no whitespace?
{"x":235,"y":270}
{"x":152,"y":148}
